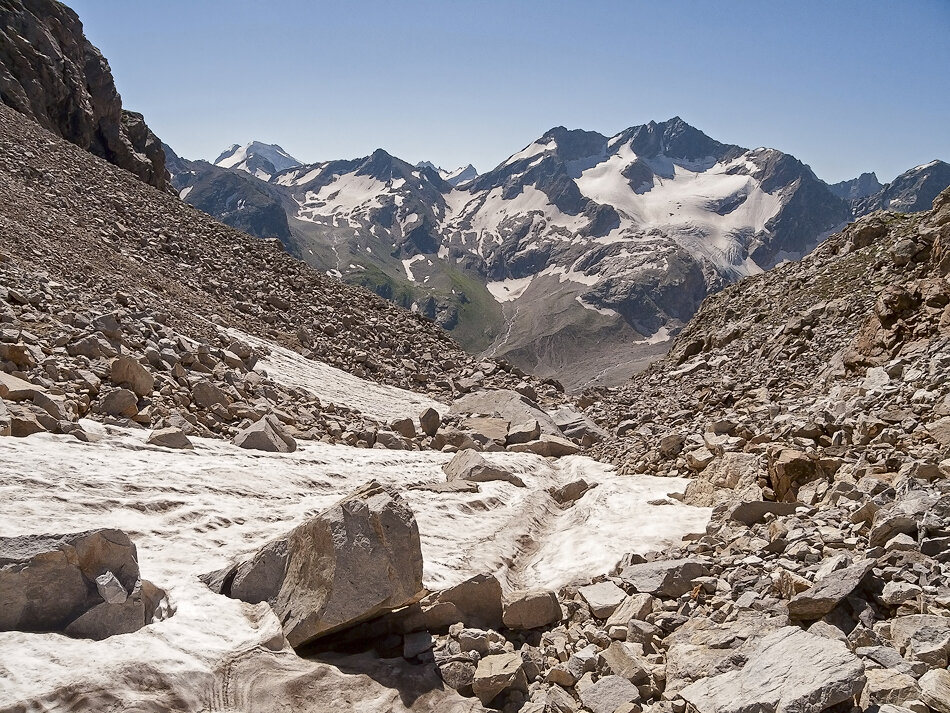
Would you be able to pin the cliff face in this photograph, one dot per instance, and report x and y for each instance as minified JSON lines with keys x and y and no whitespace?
{"x":53,"y":74}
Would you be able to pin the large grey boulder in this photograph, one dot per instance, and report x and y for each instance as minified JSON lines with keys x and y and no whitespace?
{"x":469,"y":465}
{"x":170,"y":437}
{"x":825,"y":595}
{"x":266,"y":434}
{"x":790,"y":671}
{"x":84,"y":584}
{"x":667,"y":578}
{"x":603,"y":598}
{"x":476,"y":602}
{"x":355,"y":560}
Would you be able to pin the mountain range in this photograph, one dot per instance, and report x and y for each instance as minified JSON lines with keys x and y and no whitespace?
{"x":579,"y":256}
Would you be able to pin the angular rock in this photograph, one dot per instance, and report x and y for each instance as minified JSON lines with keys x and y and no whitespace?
{"x":15,"y":389}
{"x":622,"y":659}
{"x":120,"y":402}
{"x":475,"y":602}
{"x":429,"y":421}
{"x":531,"y":609}
{"x":667,"y":578}
{"x":6,"y":427}
{"x":486,"y":430}
{"x":73,"y":584}
{"x":888,"y":686}
{"x":126,"y":371}
{"x":608,"y":694}
{"x":570,"y":493}
{"x":208,"y":395}
{"x":547,"y":446}
{"x":355,"y":560}
{"x":405,"y":427}
{"x":922,"y":637}
{"x":603,"y":598}
{"x":266,"y":434}
{"x":469,"y":465}
{"x":790,"y":671}
{"x":499,"y":673}
{"x":524,"y":432}
{"x":935,"y":690}
{"x":825,"y":595}
{"x":791,"y":470}
{"x":635,"y":606}
{"x":170,"y":437}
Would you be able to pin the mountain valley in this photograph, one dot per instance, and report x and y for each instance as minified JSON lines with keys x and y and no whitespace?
{"x":633,"y":424}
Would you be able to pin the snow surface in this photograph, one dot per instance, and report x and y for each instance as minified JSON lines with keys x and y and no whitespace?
{"x":380,"y":402}
{"x":185,"y":191}
{"x":191,"y":512}
{"x":407,"y":265}
{"x":236,"y":156}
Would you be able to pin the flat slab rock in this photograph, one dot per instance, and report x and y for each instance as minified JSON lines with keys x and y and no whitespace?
{"x":668,"y":578}
{"x":790,"y":671}
{"x":469,"y":465}
{"x":825,"y":595}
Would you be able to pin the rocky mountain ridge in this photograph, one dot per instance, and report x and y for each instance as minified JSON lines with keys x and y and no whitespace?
{"x":50,"y":72}
{"x":614,"y":240}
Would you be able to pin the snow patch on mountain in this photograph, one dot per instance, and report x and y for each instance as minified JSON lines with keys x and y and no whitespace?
{"x":241,"y":157}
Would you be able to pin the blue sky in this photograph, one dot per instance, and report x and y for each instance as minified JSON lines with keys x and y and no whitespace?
{"x":846,"y":86}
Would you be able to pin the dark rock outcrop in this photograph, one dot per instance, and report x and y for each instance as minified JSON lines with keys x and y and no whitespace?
{"x":53,"y":74}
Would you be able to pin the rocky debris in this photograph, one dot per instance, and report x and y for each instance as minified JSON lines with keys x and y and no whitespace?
{"x":608,"y":694}
{"x":67,"y":330}
{"x":829,"y":591}
{"x":505,"y":404}
{"x":266,"y":434}
{"x":476,"y":602}
{"x":355,"y":560}
{"x":469,"y":465}
{"x":671,"y":578}
{"x":86,"y":585}
{"x":170,"y":437}
{"x":51,"y":73}
{"x":790,"y":670}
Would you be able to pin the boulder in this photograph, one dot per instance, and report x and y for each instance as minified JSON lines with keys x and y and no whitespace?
{"x":127,"y":371}
{"x":754,"y":511}
{"x":497,"y":674}
{"x":120,"y":402}
{"x":469,"y":465}
{"x":667,"y":578}
{"x":170,"y":437}
{"x":23,"y":421}
{"x":569,"y":493}
{"x":524,"y":432}
{"x":15,"y":389}
{"x":603,"y":598}
{"x":266,"y":434}
{"x":507,"y":404}
{"x":531,"y":609}
{"x":475,"y":602}
{"x":827,"y":592}
{"x":935,"y":690}
{"x":547,"y":446}
{"x":636,"y":606}
{"x":622,"y":659}
{"x":429,"y":421}
{"x":922,"y":637}
{"x":84,"y":584}
{"x":486,"y":430}
{"x":791,"y":470}
{"x":578,"y":426}
{"x":207,"y":395}
{"x":789,"y":671}
{"x":405,"y":427}
{"x":356,"y":560}
{"x":888,"y":686}
{"x":608,"y":694}
{"x":6,"y":427}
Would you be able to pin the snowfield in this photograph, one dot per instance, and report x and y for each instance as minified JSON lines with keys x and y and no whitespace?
{"x":191,"y":512}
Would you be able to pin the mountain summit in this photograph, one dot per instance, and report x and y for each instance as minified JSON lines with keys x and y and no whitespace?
{"x":259,"y":159}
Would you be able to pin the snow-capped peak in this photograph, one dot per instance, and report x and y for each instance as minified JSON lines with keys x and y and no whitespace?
{"x":259,"y":159}
{"x":462,"y":174}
